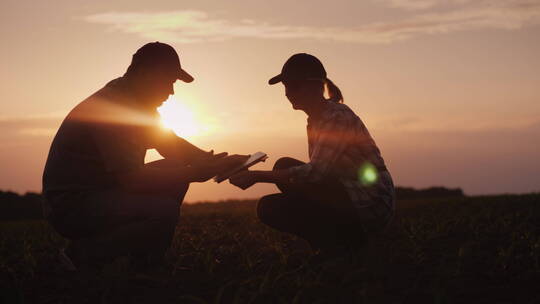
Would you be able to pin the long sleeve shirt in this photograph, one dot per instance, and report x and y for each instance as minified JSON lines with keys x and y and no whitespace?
{"x":341,"y":147}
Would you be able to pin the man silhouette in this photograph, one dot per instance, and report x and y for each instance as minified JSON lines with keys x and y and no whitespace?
{"x":98,"y":191}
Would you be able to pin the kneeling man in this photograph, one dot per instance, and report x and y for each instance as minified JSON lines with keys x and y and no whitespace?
{"x":98,"y":191}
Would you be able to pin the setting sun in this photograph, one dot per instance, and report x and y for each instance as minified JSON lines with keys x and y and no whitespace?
{"x":176,"y":116}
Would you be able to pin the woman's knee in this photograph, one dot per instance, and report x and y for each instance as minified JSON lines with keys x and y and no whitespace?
{"x":266,"y":209}
{"x":287,"y":162}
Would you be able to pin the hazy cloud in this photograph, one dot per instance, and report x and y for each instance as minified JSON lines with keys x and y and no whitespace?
{"x":20,"y":128}
{"x":421,"y":4}
{"x":437,"y":17}
{"x":408,"y":4}
{"x":38,"y":132}
{"x":463,"y":123}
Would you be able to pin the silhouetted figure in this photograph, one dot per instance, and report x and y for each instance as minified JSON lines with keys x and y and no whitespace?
{"x":99,"y":193}
{"x":345,"y":192}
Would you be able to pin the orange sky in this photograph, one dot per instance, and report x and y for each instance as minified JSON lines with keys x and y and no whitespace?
{"x":449,"y":89}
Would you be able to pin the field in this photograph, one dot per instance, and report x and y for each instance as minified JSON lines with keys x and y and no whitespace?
{"x":455,"y":250}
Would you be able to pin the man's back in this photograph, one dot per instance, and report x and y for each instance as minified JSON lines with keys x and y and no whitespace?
{"x":96,"y":141}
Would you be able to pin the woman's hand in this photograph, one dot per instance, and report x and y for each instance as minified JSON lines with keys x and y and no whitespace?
{"x":244,"y":179}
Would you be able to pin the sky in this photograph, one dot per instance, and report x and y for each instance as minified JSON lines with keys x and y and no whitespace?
{"x":449,"y":89}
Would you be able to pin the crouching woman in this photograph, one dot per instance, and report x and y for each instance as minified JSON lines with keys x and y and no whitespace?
{"x":345,"y":192}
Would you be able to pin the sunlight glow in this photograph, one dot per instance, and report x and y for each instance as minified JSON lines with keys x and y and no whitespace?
{"x":176,"y":116}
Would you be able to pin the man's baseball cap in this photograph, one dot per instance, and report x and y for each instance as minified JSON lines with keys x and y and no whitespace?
{"x":161,"y":54}
{"x":300,"y":66}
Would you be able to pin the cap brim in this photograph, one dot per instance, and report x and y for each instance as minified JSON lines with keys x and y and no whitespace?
{"x":275,"y":79}
{"x":184,"y":76}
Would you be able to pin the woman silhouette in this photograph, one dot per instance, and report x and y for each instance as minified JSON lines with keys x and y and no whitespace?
{"x":344,"y":193}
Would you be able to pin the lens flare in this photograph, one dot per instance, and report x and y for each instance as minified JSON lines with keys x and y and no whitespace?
{"x":367,"y":174}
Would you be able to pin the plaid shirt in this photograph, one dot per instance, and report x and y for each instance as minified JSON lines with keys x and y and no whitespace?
{"x":341,"y":147}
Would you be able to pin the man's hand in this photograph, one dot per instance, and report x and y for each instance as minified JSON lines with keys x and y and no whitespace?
{"x":234,"y":160}
{"x":220,"y":155}
{"x":244,"y":179}
{"x":216,"y":156}
{"x":205,"y":169}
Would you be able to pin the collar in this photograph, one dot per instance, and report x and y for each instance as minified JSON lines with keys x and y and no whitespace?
{"x":314,"y":118}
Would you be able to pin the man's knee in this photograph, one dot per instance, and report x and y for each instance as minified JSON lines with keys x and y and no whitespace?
{"x":180,"y":191}
{"x":287,"y":162}
{"x":165,"y":209}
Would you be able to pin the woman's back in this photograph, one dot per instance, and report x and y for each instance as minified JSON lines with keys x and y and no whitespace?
{"x":339,"y":130}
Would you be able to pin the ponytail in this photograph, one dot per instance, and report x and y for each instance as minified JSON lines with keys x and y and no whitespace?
{"x":333,"y":92}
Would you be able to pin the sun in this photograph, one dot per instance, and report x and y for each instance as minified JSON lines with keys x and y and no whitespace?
{"x":177,"y":117}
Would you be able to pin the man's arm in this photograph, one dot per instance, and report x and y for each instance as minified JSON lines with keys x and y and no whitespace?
{"x":173,"y":147}
{"x":180,"y":149}
{"x":150,"y":178}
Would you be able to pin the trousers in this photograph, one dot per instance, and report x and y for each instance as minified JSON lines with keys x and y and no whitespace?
{"x":321,"y":213}
{"x":113,"y":222}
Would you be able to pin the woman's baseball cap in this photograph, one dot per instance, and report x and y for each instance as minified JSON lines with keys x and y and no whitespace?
{"x":163,"y":55}
{"x":300,"y":66}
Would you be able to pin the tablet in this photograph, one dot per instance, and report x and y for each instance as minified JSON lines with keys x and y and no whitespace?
{"x":252,"y":160}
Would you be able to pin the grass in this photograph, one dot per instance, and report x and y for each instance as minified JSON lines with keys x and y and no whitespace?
{"x":463,"y":250}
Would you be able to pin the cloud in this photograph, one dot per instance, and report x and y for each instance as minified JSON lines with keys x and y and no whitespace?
{"x":446,"y":16}
{"x":38,"y":132}
{"x":409,"y":4}
{"x":30,"y":117}
{"x":462,"y":123}
{"x":17,"y":129}
{"x":420,"y":4}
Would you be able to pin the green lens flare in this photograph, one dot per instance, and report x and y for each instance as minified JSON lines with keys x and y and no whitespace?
{"x":367,"y":174}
